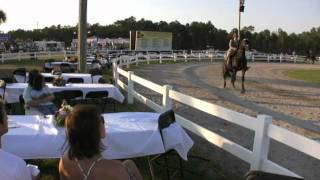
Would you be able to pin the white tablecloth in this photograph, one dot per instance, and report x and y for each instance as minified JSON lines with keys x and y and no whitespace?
{"x":128,"y":135}
{"x":58,"y":63}
{"x":14,"y":90}
{"x":86,"y":77}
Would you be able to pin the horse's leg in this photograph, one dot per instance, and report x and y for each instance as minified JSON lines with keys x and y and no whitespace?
{"x":233,"y":77}
{"x":243,"y":73}
{"x":224,"y":73}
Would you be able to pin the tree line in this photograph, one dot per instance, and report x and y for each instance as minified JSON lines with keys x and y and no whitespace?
{"x":195,"y":35}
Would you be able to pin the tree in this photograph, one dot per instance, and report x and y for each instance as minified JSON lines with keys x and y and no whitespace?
{"x":197,"y":35}
{"x":3,"y":17}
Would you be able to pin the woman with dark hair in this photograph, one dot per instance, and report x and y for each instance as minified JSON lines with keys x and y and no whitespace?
{"x":83,"y":160}
{"x":37,"y":94}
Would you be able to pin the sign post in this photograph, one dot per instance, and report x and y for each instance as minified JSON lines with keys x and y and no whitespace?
{"x":241,"y":9}
{"x":82,"y":36}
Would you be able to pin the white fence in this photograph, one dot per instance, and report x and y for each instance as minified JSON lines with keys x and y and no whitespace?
{"x":29,"y":55}
{"x":163,"y":56}
{"x":262,"y":125}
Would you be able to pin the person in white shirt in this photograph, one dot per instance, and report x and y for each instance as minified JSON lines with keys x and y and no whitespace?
{"x":11,"y":167}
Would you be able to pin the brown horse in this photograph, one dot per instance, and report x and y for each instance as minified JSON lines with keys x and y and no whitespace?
{"x":237,"y":63}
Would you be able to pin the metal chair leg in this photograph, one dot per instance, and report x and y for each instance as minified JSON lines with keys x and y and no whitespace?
{"x":181,"y":168}
{"x":151,"y":168}
{"x":167,"y":166}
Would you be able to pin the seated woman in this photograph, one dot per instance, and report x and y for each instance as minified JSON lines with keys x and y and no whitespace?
{"x":37,"y":94}
{"x":83,"y":160}
{"x":11,"y":166}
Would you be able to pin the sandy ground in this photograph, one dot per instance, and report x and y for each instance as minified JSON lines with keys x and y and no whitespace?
{"x":293,"y":104}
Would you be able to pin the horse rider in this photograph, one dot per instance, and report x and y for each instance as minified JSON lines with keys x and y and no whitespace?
{"x":233,"y":47}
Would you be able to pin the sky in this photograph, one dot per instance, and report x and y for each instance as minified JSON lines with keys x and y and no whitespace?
{"x":290,"y":15}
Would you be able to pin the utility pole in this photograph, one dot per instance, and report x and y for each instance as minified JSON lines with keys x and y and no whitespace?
{"x":82,"y":36}
{"x":241,"y":9}
{"x":239,"y":26}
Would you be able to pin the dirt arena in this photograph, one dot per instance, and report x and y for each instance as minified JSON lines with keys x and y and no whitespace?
{"x":293,"y":104}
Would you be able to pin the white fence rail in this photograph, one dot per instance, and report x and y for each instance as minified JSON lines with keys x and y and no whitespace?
{"x":262,"y":125}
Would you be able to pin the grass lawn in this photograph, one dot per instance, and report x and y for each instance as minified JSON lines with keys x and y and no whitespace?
{"x":306,"y":75}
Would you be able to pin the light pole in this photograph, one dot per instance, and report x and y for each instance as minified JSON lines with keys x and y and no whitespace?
{"x":82,"y":36}
{"x":241,"y":9}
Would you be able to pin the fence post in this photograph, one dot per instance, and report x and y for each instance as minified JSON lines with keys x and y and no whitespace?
{"x":148,"y":59}
{"x":295,"y":59}
{"x":137,"y":63}
{"x":128,"y":61}
{"x":2,"y":57}
{"x":160,"y":59}
{"x":280,"y":58}
{"x":185,"y":58}
{"x":166,"y":101}
{"x":252,"y":57}
{"x":174,"y":57}
{"x":130,"y":88}
{"x":211,"y":57}
{"x":268,"y":57}
{"x":19,"y":56}
{"x":261,"y":142}
{"x":115,"y":73}
{"x":35,"y":55}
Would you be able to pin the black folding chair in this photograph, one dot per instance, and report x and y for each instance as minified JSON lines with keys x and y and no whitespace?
{"x":20,"y":75}
{"x":8,"y":80}
{"x":22,"y":103}
{"x":47,"y":62}
{"x":75,"y":80}
{"x":101,"y":98}
{"x":48,"y":79}
{"x":3,"y":85}
{"x":95,"y":74}
{"x":260,"y":175}
{"x":164,"y":121}
{"x":65,"y":68}
{"x":71,"y":96}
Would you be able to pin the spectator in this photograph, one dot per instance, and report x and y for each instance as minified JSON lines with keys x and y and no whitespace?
{"x":11,"y":166}
{"x":83,"y":160}
{"x":37,"y":94}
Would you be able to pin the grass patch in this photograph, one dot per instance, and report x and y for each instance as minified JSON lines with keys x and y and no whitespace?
{"x":306,"y":75}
